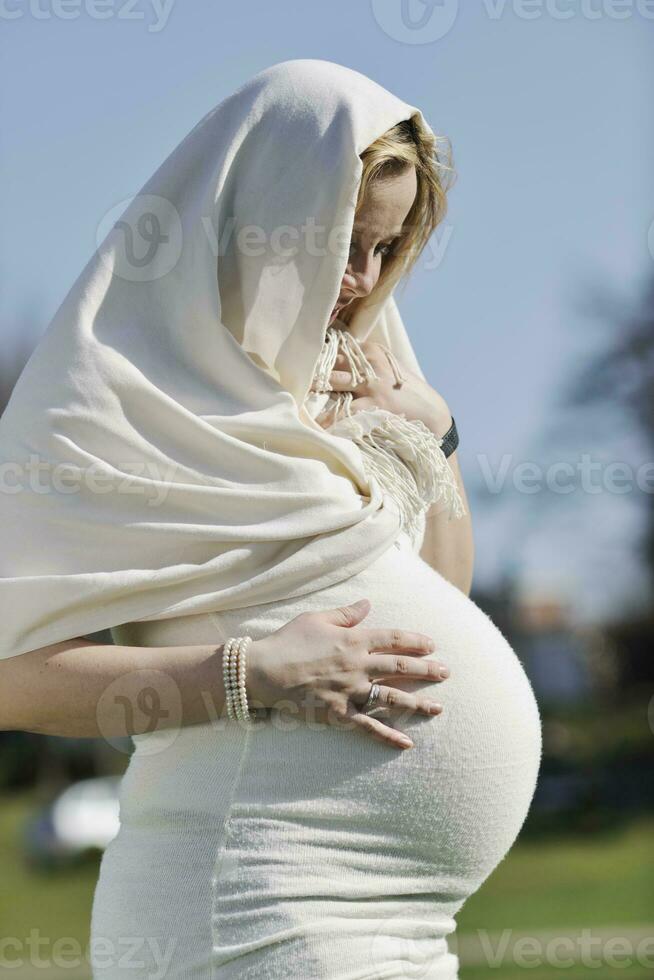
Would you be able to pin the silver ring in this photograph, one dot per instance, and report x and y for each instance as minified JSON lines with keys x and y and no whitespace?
{"x":373,"y":699}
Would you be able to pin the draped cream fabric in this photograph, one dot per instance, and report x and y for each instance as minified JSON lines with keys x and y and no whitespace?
{"x":403,"y":454}
{"x":157,"y":457}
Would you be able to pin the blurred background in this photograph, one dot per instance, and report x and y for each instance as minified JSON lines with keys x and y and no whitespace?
{"x":531,"y":311}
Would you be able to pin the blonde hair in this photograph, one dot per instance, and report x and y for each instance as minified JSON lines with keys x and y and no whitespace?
{"x":409,"y":143}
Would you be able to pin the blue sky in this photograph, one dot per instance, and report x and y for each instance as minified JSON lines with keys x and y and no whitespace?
{"x":549,"y":110}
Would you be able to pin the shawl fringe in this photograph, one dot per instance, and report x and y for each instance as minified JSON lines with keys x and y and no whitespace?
{"x":403,"y":454}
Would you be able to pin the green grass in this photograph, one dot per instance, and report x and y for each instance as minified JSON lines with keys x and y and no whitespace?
{"x":550,"y":973}
{"x":57,"y":905}
{"x":565,"y":884}
{"x":561,"y":883}
{"x":570,"y":881}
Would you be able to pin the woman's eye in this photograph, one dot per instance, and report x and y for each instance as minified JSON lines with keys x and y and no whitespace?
{"x":383,"y":248}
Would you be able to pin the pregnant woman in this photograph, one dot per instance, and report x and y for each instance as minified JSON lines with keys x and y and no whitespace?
{"x":240,"y":459}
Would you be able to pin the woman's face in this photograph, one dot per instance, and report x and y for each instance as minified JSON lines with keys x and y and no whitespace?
{"x":377,"y":224}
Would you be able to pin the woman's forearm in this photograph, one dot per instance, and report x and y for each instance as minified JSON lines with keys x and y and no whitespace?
{"x":448,"y":545}
{"x":82,"y":689}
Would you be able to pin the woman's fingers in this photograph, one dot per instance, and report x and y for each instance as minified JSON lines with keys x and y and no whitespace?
{"x":393,"y":697}
{"x":397,"y":639}
{"x":342,"y":381}
{"x":391,"y":665}
{"x":378,"y":730}
{"x":383,"y":733}
{"x":338,"y":381}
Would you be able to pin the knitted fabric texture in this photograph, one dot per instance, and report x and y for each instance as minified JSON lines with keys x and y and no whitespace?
{"x":404,"y":455}
{"x":302,"y":851}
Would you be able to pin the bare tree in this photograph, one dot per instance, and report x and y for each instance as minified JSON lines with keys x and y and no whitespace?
{"x":622,"y":376}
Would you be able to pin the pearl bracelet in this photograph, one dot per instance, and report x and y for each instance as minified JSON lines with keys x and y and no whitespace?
{"x":234,"y":671}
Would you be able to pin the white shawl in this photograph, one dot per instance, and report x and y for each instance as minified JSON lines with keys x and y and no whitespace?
{"x":157,"y":455}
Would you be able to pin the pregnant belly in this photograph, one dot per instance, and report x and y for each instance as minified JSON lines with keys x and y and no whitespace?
{"x":400,"y":838}
{"x":320,"y":818}
{"x":475,"y":765}
{"x":461,"y":794}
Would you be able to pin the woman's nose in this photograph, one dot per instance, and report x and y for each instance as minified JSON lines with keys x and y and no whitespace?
{"x":361,"y":274}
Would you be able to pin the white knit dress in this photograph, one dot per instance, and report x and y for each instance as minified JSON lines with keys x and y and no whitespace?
{"x":299,"y":851}
{"x":286,"y":851}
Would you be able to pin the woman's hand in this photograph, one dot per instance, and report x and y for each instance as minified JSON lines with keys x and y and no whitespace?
{"x":324,"y":664}
{"x":415,"y":398}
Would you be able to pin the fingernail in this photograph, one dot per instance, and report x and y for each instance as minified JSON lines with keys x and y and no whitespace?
{"x":406,"y":743}
{"x":445,"y":672}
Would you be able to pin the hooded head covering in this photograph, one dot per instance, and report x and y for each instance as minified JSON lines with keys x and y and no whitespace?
{"x":157,"y":456}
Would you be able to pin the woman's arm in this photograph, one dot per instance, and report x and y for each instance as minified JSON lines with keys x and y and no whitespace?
{"x":81,"y":689}
{"x":314,"y":665}
{"x":448,"y":545}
